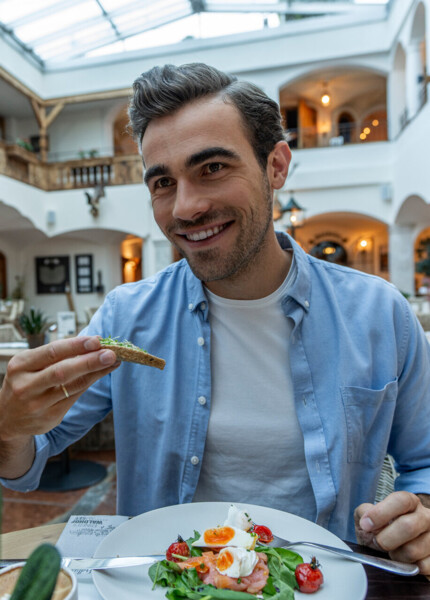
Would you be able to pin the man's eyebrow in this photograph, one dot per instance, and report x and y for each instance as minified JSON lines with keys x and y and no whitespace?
{"x":207,"y":153}
{"x":154,"y":171}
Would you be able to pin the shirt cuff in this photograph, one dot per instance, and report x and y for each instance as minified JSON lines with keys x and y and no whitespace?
{"x":30,"y":480}
{"x":417,"y":482}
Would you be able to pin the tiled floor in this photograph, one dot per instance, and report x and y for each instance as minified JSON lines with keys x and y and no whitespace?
{"x":24,"y":510}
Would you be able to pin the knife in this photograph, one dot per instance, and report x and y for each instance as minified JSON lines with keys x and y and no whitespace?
{"x":81,"y":564}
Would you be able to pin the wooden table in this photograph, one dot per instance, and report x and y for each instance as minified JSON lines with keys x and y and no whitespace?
{"x":382,"y":585}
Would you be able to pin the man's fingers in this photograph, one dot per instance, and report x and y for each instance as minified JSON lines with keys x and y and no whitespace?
{"x":43,"y":356}
{"x":86,"y":367}
{"x":416,"y":551}
{"x":380,"y":515}
{"x":411,"y":527}
{"x":46,"y":411}
{"x":363,"y":537}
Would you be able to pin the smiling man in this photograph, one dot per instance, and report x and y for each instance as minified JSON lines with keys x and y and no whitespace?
{"x":287,"y":379}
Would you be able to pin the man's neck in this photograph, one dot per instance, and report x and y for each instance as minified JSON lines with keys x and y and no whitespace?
{"x":260,"y":278}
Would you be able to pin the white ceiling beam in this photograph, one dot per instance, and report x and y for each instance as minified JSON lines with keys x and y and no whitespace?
{"x":293,"y":8}
{"x":93,"y":21}
{"x":48,"y":11}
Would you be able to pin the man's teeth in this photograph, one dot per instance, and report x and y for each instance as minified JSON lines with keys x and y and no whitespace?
{"x":203,"y":235}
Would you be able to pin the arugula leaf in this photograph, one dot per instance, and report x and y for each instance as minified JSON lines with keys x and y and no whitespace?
{"x":164,"y":573}
{"x":277,"y":590}
{"x":194,"y":551}
{"x":282,"y":564}
{"x":110,"y":341}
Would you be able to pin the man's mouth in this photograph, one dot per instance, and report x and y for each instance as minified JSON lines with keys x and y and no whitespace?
{"x":204,"y":234}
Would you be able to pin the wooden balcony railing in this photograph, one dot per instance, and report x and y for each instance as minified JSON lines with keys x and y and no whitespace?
{"x":19,"y":163}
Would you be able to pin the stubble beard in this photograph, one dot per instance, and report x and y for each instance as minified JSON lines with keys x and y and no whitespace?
{"x":213,"y":264}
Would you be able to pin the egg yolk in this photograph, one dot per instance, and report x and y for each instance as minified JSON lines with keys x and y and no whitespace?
{"x":218,"y":536}
{"x":224,"y":561}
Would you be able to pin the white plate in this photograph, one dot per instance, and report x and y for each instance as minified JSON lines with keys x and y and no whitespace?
{"x":154,"y":531}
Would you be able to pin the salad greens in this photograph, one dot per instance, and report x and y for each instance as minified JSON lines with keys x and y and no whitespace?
{"x":186,"y":584}
{"x":110,"y":341}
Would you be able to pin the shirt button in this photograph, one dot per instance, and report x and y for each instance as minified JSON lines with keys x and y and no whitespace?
{"x":190,"y":306}
{"x":201,"y":400}
{"x":201,"y":341}
{"x":306,"y":304}
{"x":203,"y":305}
{"x":195,"y":460}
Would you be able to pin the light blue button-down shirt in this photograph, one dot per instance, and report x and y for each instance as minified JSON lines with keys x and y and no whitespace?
{"x":360,"y":366}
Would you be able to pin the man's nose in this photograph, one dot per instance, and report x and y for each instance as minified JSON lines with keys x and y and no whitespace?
{"x":190,"y":202}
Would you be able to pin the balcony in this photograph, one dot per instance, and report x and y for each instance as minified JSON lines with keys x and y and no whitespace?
{"x":374,"y":130}
{"x":25,"y":166}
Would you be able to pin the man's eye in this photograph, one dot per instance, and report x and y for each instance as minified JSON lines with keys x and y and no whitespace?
{"x":162,"y":183}
{"x":213,"y":167}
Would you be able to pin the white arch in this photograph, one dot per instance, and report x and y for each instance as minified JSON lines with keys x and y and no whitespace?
{"x":418,"y":27}
{"x":397,"y":95}
{"x":304,"y":72}
{"x":414,"y":212}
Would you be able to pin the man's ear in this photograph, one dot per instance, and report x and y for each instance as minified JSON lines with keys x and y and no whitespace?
{"x":278,"y":162}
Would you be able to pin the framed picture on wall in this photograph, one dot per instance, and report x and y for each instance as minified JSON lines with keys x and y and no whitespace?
{"x":52,"y":274}
{"x":84,"y":273}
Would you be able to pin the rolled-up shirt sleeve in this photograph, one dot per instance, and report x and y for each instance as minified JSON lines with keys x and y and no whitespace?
{"x":92,"y":406}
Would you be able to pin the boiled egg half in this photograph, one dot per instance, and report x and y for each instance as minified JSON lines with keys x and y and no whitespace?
{"x":218,"y":537}
{"x":236,"y":562}
{"x":238,"y":518}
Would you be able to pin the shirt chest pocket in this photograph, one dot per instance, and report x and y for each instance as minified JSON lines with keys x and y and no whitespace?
{"x":369,"y":415}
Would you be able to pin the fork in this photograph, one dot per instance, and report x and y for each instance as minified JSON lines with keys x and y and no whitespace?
{"x":392,"y":566}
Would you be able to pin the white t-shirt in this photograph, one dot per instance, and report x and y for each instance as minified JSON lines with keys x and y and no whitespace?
{"x":254,"y":449}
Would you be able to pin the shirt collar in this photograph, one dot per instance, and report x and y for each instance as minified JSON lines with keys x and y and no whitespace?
{"x":300,"y":291}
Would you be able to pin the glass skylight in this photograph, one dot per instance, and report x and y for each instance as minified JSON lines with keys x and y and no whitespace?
{"x":58,"y":31}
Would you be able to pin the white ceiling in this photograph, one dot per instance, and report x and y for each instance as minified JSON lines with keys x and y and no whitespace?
{"x":57,"y":31}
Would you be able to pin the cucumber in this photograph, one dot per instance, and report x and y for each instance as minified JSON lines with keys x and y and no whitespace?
{"x":39,"y":574}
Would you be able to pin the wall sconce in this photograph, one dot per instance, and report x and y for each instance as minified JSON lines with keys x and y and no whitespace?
{"x":295,"y":214}
{"x":100,"y":288}
{"x":364,"y":245}
{"x":51,"y":218}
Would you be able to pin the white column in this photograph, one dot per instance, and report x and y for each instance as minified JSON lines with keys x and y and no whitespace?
{"x":414,"y":68}
{"x":401,"y":257}
{"x":148,"y":257}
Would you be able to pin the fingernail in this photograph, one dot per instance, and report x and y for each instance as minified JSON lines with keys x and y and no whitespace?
{"x":107,"y":357}
{"x":367,"y":524}
{"x":92,"y":344}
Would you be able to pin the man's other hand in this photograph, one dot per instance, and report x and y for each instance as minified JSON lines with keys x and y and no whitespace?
{"x":399,"y":525}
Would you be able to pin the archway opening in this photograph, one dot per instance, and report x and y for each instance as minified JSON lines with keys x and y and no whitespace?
{"x":131,"y":259}
{"x":351,"y":239}
{"x":353,"y":93}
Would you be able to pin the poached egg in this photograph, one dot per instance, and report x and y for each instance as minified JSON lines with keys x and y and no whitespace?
{"x":236,"y":562}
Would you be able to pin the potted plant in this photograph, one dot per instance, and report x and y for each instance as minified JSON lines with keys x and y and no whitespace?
{"x":34,"y":325}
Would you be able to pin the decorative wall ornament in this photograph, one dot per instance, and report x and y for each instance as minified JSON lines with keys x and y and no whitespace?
{"x":94,"y":200}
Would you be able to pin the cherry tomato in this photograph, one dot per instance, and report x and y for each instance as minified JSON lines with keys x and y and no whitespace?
{"x":264,"y":534}
{"x":179,"y":547}
{"x":309,"y":576}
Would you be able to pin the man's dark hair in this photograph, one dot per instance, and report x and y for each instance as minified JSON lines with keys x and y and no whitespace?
{"x":163,"y":90}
